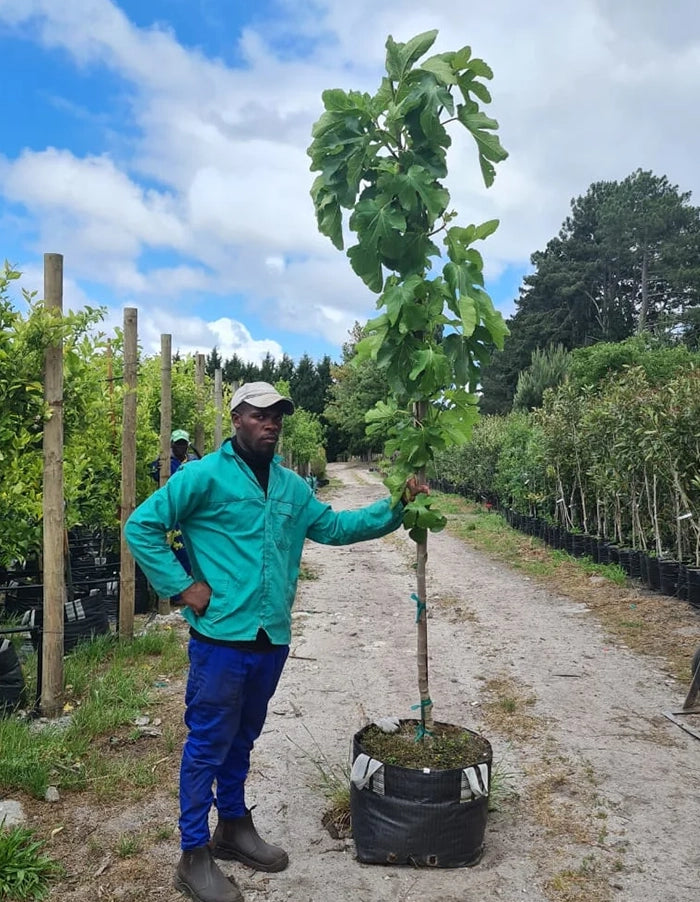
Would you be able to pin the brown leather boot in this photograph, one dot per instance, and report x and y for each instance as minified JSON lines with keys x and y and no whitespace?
{"x":238,"y":839}
{"x":198,"y":876}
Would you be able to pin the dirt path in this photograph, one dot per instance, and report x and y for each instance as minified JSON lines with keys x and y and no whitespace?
{"x":607,"y":789}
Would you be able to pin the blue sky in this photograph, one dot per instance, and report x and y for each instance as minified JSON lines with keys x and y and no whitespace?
{"x":160,"y":145}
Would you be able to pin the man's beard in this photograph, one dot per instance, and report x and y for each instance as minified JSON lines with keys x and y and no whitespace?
{"x":266,"y":451}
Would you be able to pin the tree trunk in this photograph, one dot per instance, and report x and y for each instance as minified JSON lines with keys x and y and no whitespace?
{"x":426,"y":705}
{"x":644,"y":307}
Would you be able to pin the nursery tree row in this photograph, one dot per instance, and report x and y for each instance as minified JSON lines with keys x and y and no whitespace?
{"x":612,"y":452}
{"x":93,"y":396}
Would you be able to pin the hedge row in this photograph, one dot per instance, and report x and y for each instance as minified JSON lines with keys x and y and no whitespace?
{"x":619,"y":461}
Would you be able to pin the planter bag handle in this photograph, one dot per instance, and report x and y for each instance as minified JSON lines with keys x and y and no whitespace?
{"x":363,"y":769}
{"x":475,"y":786}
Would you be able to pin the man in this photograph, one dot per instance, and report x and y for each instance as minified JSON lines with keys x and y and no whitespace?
{"x":179,"y":453}
{"x":244,"y":519}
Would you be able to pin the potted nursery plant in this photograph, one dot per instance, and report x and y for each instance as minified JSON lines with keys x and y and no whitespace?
{"x":382,"y":157}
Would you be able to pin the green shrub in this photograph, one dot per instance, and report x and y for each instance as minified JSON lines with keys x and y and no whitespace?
{"x":317,"y":464}
{"x":25,"y":872}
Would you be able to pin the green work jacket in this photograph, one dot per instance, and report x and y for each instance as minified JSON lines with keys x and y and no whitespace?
{"x":246,"y":545}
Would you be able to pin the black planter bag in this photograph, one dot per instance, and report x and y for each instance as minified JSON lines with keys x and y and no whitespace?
{"x":693,"y":575}
{"x":405,"y":816}
{"x":12,"y":687}
{"x":83,"y":619}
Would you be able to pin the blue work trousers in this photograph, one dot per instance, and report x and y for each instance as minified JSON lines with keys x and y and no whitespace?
{"x":228,"y":690}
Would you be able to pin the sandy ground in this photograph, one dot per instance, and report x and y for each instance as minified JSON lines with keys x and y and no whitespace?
{"x":608,"y":790}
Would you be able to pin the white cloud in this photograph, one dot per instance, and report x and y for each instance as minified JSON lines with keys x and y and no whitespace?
{"x":194,"y":335}
{"x":584,"y":90}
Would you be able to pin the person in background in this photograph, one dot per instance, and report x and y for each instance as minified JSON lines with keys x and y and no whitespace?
{"x":180,"y":453}
{"x":244,"y":520}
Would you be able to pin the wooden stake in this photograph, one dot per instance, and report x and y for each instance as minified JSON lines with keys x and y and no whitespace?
{"x":199,"y":391}
{"x":166,"y":424}
{"x":219,"y":407}
{"x":128,"y":490}
{"x":51,"y":701}
{"x":166,"y":405}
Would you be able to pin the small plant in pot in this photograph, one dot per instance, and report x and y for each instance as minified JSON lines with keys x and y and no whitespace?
{"x":419,"y":787}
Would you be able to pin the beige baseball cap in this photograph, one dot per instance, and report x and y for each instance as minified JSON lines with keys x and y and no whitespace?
{"x":260,"y":394}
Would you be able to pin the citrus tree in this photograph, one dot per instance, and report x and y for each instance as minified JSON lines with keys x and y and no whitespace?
{"x":383,"y":157}
{"x":88,"y":466}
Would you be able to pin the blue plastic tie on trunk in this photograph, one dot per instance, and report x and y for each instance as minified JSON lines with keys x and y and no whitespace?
{"x":420,"y":606}
{"x":420,"y":727}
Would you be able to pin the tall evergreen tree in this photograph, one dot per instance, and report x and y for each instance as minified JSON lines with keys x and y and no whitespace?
{"x":305,"y":388}
{"x":268,"y":369}
{"x":213,"y":362}
{"x":626,"y":259}
{"x":285,"y":368}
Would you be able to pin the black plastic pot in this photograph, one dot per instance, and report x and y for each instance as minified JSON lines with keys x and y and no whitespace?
{"x":653,"y":573}
{"x":623,"y":559}
{"x":83,"y":619}
{"x":22,"y":596}
{"x":607,"y":553}
{"x":422,"y":818}
{"x":693,"y":576}
{"x":12,"y":685}
{"x":635,"y":564}
{"x":668,"y":577}
{"x":589,"y":546}
{"x":644,"y":567}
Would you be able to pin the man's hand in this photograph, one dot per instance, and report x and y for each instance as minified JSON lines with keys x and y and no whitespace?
{"x":413,"y":488}
{"x":197,"y":597}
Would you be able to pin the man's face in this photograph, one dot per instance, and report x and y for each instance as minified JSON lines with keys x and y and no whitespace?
{"x":258,"y":428}
{"x":179,"y":449}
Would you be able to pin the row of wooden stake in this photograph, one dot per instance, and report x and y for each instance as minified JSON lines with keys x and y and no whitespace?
{"x":51,"y":688}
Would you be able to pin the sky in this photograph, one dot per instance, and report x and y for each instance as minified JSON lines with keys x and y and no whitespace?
{"x":160,"y":146}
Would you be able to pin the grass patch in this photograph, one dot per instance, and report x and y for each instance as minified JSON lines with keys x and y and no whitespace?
{"x":307,"y":572}
{"x":455,"y":606}
{"x":333,"y":483}
{"x":334,"y":782}
{"x":108,"y":685}
{"x":585,"y":883}
{"x":128,"y":845}
{"x":503,"y":788}
{"x":562,"y":798}
{"x":26,"y":873}
{"x":508,"y":709}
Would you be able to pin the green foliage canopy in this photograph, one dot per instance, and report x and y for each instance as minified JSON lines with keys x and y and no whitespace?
{"x":626,"y":260}
{"x":383,"y":157}
{"x":88,"y":457}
